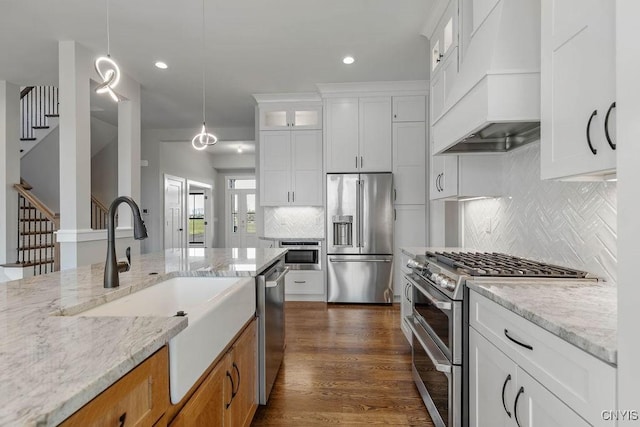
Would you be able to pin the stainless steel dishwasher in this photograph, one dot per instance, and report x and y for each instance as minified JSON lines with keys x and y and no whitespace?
{"x":270,"y":308}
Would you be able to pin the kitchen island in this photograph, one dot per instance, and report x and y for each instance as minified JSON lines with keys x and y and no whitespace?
{"x":53,"y":363}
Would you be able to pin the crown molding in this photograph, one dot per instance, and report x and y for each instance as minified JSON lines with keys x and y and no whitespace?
{"x":264,"y":98}
{"x":407,"y":87}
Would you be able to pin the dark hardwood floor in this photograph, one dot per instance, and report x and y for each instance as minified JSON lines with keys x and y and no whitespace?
{"x":345,"y":365}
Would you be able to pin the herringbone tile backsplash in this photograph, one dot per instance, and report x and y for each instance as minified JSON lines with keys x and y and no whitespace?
{"x":294,"y":222}
{"x":566,"y":223}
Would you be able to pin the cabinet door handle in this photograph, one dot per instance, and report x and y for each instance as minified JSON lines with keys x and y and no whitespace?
{"x":233,"y":393}
{"x":606,"y":126}
{"x":122,"y":419}
{"x":288,"y":196}
{"x":504,"y":386}
{"x":293,"y":196}
{"x":515,"y":406}
{"x":356,"y":162}
{"x":395,"y":116}
{"x":226,"y":405}
{"x":361,"y":162}
{"x":395,"y":194}
{"x":300,"y":281}
{"x":438,"y":182}
{"x":527,"y":346}
{"x":593,"y":150}
{"x":395,"y":215}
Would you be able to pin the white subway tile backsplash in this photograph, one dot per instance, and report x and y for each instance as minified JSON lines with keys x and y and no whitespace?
{"x":294,"y":222}
{"x":567,"y":223}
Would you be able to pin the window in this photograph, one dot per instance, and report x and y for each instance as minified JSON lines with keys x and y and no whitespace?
{"x":197,"y":221}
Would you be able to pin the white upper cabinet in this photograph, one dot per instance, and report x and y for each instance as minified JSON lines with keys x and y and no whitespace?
{"x":409,"y":108}
{"x":375,"y":134}
{"x":578,"y":117}
{"x":409,"y":158}
{"x":342,"y":134}
{"x":279,"y":117}
{"x":291,"y":168}
{"x":442,"y":82}
{"x":358,"y":134}
{"x":445,"y":36}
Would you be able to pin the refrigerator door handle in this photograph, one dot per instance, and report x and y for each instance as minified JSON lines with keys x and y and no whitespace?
{"x":358,"y":213}
{"x":360,"y":219}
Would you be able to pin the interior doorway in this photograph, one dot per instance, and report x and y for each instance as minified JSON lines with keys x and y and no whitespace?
{"x":174,"y":190}
{"x":240,"y":217}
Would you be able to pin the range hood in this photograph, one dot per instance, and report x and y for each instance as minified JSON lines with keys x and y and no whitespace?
{"x":492,"y":104}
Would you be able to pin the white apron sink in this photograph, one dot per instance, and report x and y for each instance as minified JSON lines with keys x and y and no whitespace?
{"x":216,"y":309}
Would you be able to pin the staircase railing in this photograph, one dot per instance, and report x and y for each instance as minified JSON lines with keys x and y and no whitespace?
{"x":37,"y":104}
{"x":99,"y":214}
{"x":37,"y":224}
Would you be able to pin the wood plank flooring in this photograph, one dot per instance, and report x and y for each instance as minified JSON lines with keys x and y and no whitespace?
{"x":346,"y":365}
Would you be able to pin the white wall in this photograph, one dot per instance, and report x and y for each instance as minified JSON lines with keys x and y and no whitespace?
{"x":567,"y":223}
{"x":104,"y":173}
{"x":40,"y":167}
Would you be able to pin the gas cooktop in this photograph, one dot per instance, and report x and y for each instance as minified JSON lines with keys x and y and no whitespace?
{"x":501,"y":265}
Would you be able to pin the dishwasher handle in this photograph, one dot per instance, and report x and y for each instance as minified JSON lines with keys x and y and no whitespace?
{"x":274,"y":283}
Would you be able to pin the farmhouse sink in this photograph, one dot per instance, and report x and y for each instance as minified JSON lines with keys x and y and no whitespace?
{"x":216,"y":308}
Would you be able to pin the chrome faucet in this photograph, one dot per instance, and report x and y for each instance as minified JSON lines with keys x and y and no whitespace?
{"x":112,"y":267}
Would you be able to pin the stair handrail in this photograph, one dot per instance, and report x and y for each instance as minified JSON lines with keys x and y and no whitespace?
{"x":48,"y":213}
{"x":99,"y":213}
{"x":24,"y":92}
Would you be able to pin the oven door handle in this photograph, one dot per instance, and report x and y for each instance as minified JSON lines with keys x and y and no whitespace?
{"x":442,"y":305}
{"x":438,"y":359}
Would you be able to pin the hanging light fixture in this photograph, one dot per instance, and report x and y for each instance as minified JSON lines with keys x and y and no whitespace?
{"x":204,"y":138}
{"x":107,"y":69}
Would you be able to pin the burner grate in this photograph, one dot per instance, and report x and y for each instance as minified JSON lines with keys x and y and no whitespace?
{"x":502,"y":265}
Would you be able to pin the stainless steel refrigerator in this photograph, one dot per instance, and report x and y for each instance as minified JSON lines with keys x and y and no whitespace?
{"x":359,"y":238}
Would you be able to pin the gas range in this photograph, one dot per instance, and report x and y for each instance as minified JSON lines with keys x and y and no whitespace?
{"x":438,"y":320}
{"x":449,"y":270}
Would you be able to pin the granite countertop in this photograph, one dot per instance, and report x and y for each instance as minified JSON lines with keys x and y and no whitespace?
{"x":292,"y":239}
{"x":53,"y":364}
{"x":582,"y":313}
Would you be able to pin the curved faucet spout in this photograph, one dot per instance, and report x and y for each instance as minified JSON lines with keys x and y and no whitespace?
{"x":111,"y":268}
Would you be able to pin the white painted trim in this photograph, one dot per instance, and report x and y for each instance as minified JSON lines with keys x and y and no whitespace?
{"x":198,"y":184}
{"x":70,"y":236}
{"x":262,"y":98}
{"x":398,"y":88}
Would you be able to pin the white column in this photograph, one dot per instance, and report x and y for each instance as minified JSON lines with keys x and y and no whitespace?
{"x":129,"y":153}
{"x":628,"y":131}
{"x":75,"y":65}
{"x":9,"y":170}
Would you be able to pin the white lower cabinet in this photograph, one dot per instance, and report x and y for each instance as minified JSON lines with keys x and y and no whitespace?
{"x":304,"y":285}
{"x":522,"y":375}
{"x":502,"y":394}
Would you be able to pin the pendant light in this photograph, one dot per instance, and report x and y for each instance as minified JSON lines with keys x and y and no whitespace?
{"x":107,"y":69}
{"x":204,"y":138}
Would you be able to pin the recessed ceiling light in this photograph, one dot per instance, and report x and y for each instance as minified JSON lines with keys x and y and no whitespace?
{"x":348,"y":60}
{"x":239,"y":149}
{"x":162,"y":65}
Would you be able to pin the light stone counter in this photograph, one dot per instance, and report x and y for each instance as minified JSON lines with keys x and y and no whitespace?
{"x":582,"y":313}
{"x":51,"y":364}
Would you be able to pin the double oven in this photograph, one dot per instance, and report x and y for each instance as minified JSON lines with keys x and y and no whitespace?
{"x":437,"y":328}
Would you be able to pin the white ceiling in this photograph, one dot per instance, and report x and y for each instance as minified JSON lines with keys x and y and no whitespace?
{"x":253,"y":46}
